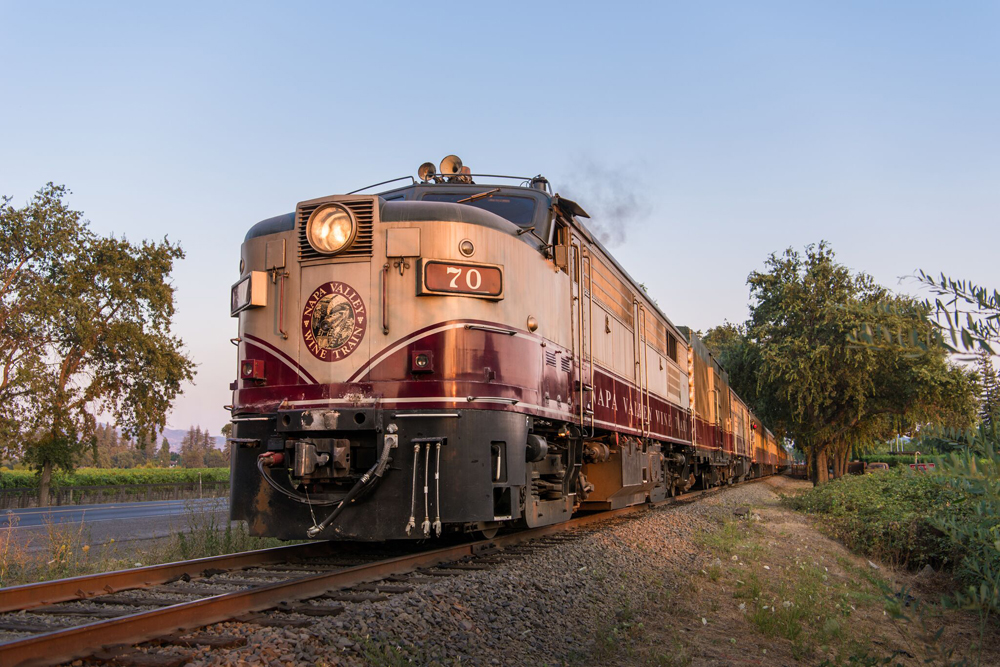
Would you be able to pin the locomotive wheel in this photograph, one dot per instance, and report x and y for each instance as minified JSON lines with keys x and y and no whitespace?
{"x":481,"y":530}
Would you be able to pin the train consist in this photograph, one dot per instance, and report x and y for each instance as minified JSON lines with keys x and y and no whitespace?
{"x":451,"y":356}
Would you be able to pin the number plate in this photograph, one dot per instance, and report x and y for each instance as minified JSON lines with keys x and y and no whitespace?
{"x":445,"y":278}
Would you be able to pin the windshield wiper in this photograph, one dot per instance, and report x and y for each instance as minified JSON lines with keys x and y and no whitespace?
{"x":479,"y":195}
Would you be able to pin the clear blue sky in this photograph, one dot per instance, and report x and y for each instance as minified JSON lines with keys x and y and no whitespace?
{"x":736,"y":128}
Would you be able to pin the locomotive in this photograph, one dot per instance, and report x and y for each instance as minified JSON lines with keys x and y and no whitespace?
{"x":461,"y":354}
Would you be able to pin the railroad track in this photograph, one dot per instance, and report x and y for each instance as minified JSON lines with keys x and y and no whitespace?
{"x":168,"y":602}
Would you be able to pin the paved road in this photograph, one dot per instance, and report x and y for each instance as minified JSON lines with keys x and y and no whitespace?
{"x":122,"y":522}
{"x":39,"y":516}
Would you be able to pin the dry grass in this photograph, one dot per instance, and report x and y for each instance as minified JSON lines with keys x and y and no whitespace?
{"x":66,"y":549}
{"x":777,"y":591}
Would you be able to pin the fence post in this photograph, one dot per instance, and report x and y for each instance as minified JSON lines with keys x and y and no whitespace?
{"x":199,"y":486}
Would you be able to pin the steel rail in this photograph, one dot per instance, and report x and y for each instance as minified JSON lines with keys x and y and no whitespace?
{"x":66,"y":644}
{"x":81,"y":641}
{"x":27,"y":596}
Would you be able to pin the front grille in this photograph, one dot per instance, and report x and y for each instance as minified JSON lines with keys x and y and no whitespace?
{"x":364,"y":214}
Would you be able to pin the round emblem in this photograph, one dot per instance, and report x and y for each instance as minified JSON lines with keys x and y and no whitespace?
{"x":334,"y":321}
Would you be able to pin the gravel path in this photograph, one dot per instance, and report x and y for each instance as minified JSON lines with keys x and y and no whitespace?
{"x":548,"y":607}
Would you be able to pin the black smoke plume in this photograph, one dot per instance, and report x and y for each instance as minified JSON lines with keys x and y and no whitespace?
{"x":613,"y":196}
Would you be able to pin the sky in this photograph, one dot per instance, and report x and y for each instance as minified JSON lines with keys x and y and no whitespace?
{"x":709,"y":134}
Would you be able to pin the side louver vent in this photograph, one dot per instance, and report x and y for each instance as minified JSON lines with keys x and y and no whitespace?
{"x":364,"y":213}
{"x":567,"y":364}
{"x":550,"y":359}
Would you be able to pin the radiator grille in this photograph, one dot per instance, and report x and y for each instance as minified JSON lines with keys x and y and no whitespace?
{"x":364,"y":214}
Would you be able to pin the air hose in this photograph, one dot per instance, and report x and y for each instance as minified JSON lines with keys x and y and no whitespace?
{"x":375,"y":472}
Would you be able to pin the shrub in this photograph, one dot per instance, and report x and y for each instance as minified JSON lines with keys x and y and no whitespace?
{"x":903,"y":460}
{"x":977,"y":530}
{"x":19,"y":479}
{"x":889,"y":515}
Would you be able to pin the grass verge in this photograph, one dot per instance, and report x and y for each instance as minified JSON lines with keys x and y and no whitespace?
{"x":67,"y":549}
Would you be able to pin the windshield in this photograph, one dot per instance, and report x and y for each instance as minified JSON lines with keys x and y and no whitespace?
{"x":519,"y":210}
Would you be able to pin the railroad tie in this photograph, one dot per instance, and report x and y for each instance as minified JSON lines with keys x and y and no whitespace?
{"x":353,"y":597}
{"x":273,"y":621}
{"x":67,"y":610}
{"x":379,"y":587}
{"x":135,"y":602}
{"x":129,"y":656}
{"x":309,"y":609}
{"x":212,"y":641}
{"x":410,"y":579}
{"x":194,"y":589}
{"x":28,"y":626}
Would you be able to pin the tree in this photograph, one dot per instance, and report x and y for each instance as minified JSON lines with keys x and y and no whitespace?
{"x":227,"y":447}
{"x":84,"y":330}
{"x":989,"y":388}
{"x":193,"y":448}
{"x":799,"y":368}
{"x":967,"y":314}
{"x":163,"y":455}
{"x":34,"y":240}
{"x":215,"y":458}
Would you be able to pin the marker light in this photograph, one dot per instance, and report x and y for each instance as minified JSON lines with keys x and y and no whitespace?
{"x":330,"y":229}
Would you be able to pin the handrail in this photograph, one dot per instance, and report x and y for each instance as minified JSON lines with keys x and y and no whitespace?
{"x":491,"y":329}
{"x":646,"y":417}
{"x":281,"y":302}
{"x":590,"y":335}
{"x":577,"y":337}
{"x":385,"y":298}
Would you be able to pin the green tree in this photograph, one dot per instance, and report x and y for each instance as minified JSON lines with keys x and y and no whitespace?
{"x":965,"y":313}
{"x":193,"y":448}
{"x":989,"y":389}
{"x":215,"y":458}
{"x":163,"y":454}
{"x":227,"y":447}
{"x":796,"y":365}
{"x":34,"y":240}
{"x":85,"y":330}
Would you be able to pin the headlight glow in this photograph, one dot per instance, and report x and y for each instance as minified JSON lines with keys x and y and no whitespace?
{"x":330,"y":229}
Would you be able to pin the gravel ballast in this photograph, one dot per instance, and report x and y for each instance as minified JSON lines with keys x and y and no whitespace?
{"x":547,"y":607}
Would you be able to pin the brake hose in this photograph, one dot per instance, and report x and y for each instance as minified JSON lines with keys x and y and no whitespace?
{"x":376,"y":471}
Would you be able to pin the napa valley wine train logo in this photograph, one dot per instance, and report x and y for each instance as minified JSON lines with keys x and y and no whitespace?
{"x":334,"y":321}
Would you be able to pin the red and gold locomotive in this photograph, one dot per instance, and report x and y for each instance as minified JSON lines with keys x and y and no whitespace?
{"x":451,"y":356}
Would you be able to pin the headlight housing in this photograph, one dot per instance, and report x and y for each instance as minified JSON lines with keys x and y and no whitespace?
{"x":331,"y":228}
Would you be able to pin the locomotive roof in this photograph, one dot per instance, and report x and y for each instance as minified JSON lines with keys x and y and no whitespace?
{"x":405,"y":204}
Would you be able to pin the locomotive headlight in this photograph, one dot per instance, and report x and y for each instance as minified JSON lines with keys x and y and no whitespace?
{"x":330,"y":229}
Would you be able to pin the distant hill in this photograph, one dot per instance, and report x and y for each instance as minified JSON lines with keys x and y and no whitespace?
{"x":175,"y":435}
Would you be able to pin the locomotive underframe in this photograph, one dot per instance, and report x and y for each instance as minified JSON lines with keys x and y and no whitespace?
{"x":450,"y":471}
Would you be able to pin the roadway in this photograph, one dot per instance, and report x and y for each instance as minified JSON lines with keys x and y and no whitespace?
{"x":121,"y":522}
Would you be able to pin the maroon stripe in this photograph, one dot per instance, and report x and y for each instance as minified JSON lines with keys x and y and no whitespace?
{"x":284,"y":356}
{"x":372,"y":363}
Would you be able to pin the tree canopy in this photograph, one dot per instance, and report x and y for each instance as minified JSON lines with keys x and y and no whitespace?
{"x":84,"y":331}
{"x":796,"y":364}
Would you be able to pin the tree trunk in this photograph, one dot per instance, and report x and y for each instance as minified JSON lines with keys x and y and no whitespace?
{"x":44,"y":484}
{"x":818,"y":462}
